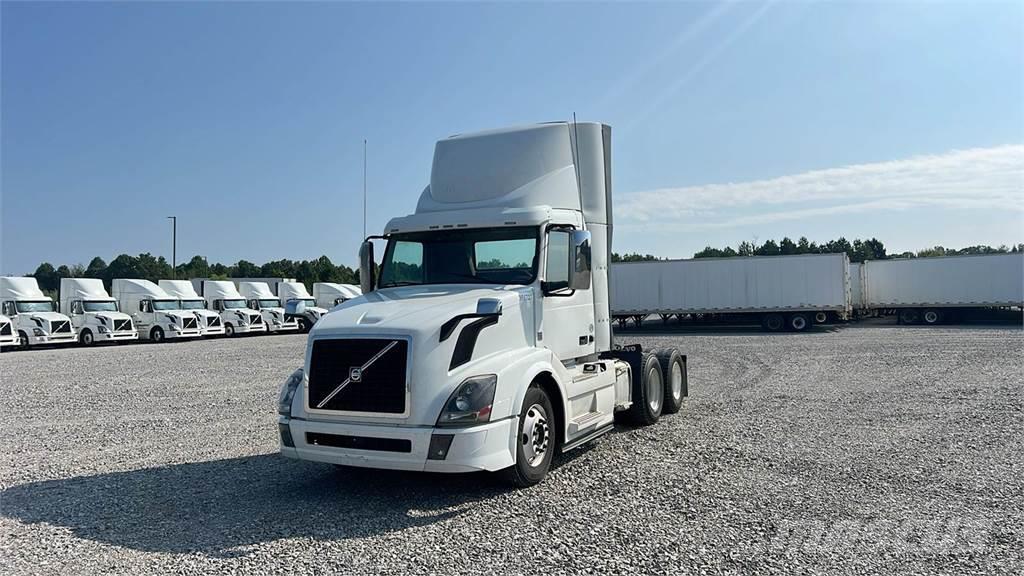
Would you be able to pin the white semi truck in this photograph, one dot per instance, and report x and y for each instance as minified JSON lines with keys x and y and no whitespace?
{"x":34,"y":316}
{"x":260,"y":297}
{"x":8,"y":337}
{"x":329,"y":294}
{"x":94,"y":313}
{"x":157,"y":315}
{"x":778,"y":292}
{"x":934,"y":290}
{"x":288,"y":291}
{"x":485,"y":343}
{"x":209,"y":321}
{"x":237,"y":318}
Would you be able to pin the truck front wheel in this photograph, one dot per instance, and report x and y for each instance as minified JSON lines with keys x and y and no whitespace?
{"x":86,"y":338}
{"x":229,"y":330}
{"x":22,"y":341}
{"x":535,"y":443}
{"x":157,"y":335}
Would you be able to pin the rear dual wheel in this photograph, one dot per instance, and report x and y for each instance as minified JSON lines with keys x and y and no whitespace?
{"x":673,"y":368}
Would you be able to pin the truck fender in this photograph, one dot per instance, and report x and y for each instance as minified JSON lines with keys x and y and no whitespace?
{"x":543,"y":370}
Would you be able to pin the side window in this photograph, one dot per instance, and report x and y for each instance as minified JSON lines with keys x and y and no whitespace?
{"x":557,"y":275}
{"x":406,"y":264}
{"x":8,"y":309}
{"x":254,"y":304}
{"x":76,"y":307}
{"x":218,"y":304}
{"x":144,"y":306}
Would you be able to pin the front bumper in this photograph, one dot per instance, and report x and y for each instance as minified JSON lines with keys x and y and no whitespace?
{"x":11,"y":340}
{"x":250,"y":328}
{"x":489,"y":446}
{"x":120,"y":335}
{"x":47,"y":339}
{"x":179,"y":334}
{"x":217,"y":330}
{"x":287,"y":326}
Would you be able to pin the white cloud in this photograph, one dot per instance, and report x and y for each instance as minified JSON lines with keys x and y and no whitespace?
{"x":987,"y":178}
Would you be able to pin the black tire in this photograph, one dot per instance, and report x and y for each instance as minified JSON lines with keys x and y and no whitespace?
{"x":909,"y":316}
{"x":648,"y":393}
{"x":536,"y":439}
{"x":772,"y":322}
{"x":22,"y":341}
{"x":798,"y":322}
{"x":304,"y":325}
{"x":229,"y":329}
{"x":820,"y":317}
{"x":86,"y":338}
{"x":156,"y":334}
{"x":931,"y":316}
{"x":673,"y":367}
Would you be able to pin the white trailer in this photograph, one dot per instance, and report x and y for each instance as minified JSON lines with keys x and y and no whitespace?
{"x":260,"y":297}
{"x":777,"y":291}
{"x":485,"y":342}
{"x":157,"y":315}
{"x":33,"y":315}
{"x":237,"y":318}
{"x":857,"y":301}
{"x":209,"y":321}
{"x":296,"y":291}
{"x":94,"y":313}
{"x":931,"y":290}
{"x":329,"y":294}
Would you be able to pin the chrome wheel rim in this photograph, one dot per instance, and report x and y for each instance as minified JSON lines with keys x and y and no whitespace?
{"x":536,"y":435}
{"x":655,"y":390}
{"x":676,"y":379}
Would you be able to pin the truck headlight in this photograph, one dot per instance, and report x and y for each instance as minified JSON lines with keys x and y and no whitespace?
{"x":174,"y":327}
{"x":287,"y":394}
{"x":38,"y":332}
{"x":102,"y":329}
{"x":471,"y":402}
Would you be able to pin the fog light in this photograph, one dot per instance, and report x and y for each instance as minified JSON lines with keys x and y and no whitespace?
{"x":439,"y":445}
{"x":286,"y":434}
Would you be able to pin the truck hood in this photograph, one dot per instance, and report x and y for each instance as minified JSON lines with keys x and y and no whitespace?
{"x":204,"y":313}
{"x":111,"y":316}
{"x":409,"y":309}
{"x":48,"y":316}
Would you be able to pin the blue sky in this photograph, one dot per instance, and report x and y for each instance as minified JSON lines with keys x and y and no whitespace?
{"x":730,"y":121}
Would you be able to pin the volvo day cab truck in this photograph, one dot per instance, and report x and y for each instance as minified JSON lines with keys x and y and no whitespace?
{"x":289,"y":291}
{"x":485,"y":342}
{"x":259,"y":297}
{"x":8,"y":337}
{"x":95,"y":315}
{"x":209,"y":321}
{"x":237,"y":318}
{"x":328,"y":294}
{"x":157,"y":315}
{"x":33,"y":315}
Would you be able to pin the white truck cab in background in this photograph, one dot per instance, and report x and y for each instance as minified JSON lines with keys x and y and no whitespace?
{"x":259,"y":297}
{"x":209,"y":321}
{"x":237,"y":318}
{"x":34,"y":316}
{"x":157,"y":314}
{"x":485,"y":341}
{"x":310,"y":313}
{"x":329,"y":294}
{"x":8,"y":336}
{"x":95,"y":315}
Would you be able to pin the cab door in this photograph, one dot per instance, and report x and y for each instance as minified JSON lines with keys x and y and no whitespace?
{"x":567,"y":315}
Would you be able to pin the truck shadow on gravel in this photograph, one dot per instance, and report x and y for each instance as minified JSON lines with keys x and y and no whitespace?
{"x":220,"y":508}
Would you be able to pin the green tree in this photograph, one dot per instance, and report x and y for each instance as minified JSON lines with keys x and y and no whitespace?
{"x":46,"y":277}
{"x":97,"y":267}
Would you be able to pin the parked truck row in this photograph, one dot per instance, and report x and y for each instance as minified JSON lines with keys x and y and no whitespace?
{"x":137,"y":309}
{"x":794,"y":292}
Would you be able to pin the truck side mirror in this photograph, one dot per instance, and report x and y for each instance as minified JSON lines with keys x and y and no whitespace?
{"x":579,"y":244}
{"x":366,"y":280}
{"x":295,"y":308}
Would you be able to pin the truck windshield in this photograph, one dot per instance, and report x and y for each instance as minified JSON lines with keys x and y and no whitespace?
{"x":35,"y":306}
{"x":193,"y":305}
{"x":468,"y":256}
{"x":99,"y":306}
{"x":234,"y":304}
{"x":166,"y":305}
{"x":269,"y":303}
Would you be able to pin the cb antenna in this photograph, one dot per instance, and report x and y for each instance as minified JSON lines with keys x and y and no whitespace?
{"x":576,"y":162}
{"x":364,"y":189}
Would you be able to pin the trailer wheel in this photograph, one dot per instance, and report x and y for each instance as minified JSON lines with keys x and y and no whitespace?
{"x":798,"y":322}
{"x":909,"y":316}
{"x":86,"y":337}
{"x":536,"y":439}
{"x":673,"y":366}
{"x":157,"y":334}
{"x":820,"y":317}
{"x":772,"y":322}
{"x":648,"y":392}
{"x":931,"y":316}
{"x":229,"y":329}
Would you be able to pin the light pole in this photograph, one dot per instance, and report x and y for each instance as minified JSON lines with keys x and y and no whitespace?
{"x":174,"y":246}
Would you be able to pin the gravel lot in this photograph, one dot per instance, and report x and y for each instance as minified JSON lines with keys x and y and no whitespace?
{"x":864,"y":449}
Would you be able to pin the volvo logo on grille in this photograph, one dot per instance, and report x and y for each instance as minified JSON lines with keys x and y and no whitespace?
{"x":355,"y":374}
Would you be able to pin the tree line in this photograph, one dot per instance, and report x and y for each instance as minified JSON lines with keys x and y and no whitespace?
{"x":858,"y":250}
{"x":154,"y":268}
